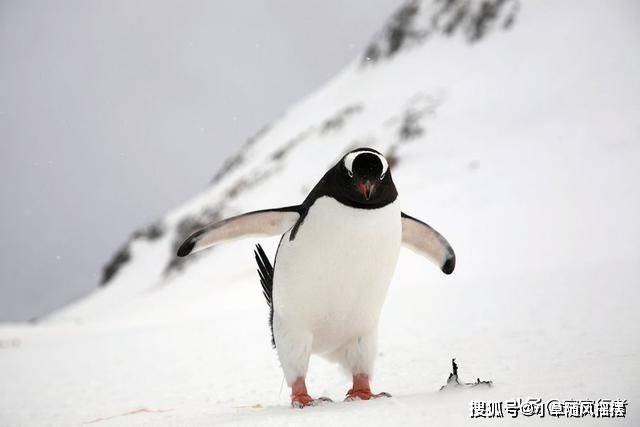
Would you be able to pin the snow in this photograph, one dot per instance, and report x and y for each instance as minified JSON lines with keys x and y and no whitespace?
{"x":527,"y":163}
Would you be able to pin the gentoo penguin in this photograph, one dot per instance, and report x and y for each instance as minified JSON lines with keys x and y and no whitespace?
{"x":333,"y":266}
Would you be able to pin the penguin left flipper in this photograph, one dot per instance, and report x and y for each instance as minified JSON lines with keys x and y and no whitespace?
{"x":426,"y":241}
{"x":268,"y":222}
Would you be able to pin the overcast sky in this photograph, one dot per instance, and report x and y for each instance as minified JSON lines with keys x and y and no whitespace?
{"x":113,"y":112}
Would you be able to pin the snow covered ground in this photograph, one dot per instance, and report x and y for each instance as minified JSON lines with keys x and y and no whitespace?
{"x":522,"y":148}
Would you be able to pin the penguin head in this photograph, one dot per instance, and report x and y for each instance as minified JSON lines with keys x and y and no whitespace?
{"x":366,"y":176}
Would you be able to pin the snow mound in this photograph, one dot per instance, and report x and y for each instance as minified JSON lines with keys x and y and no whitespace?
{"x":511,"y":127}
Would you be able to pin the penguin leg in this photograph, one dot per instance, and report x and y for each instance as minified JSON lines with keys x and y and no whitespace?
{"x":359,"y":358}
{"x":300,"y":397}
{"x":361,"y":389}
{"x":293,"y":346}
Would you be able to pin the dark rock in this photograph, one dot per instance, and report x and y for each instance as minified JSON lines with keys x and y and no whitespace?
{"x":123,"y":255}
{"x":235,"y":161}
{"x":184,"y":229}
{"x":338,"y":120}
{"x":118,"y":260}
{"x":454,"y":382}
{"x":415,"y":22}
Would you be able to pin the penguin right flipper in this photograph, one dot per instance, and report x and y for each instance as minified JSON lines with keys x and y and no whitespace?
{"x":268,"y":222}
{"x":426,"y":241}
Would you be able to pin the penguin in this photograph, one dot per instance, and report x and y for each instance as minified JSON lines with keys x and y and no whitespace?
{"x":337,"y":254}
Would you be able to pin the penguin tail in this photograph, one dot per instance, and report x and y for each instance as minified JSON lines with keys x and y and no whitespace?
{"x":265,"y":272}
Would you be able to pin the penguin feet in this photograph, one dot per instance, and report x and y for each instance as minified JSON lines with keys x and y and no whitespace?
{"x":300,"y":398}
{"x":361,"y":389}
{"x":364,"y":395}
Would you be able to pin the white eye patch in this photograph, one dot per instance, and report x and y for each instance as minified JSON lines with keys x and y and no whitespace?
{"x":349,"y":158}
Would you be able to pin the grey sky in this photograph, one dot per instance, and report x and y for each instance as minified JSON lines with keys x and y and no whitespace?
{"x":113,"y":112}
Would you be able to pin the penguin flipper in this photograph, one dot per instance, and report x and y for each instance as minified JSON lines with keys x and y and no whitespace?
{"x":425,"y":241}
{"x":267,"y":222}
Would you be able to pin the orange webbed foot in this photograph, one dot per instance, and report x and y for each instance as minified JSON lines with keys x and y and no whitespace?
{"x":361,"y":389}
{"x":364,"y":395}
{"x":300,"y":398}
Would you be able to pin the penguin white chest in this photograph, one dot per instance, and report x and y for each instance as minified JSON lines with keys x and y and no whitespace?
{"x":332,"y":278}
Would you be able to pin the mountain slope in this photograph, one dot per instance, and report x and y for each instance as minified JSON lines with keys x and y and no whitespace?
{"x":511,"y":127}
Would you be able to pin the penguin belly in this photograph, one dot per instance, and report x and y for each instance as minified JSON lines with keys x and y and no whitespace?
{"x":331,"y":280}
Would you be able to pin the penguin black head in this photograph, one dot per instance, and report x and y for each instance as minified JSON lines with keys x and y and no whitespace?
{"x":364,"y":179}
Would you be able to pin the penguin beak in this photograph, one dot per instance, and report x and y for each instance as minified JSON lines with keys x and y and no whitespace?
{"x":367,"y":188}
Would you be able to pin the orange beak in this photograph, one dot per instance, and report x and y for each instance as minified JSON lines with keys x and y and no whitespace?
{"x":367,"y":188}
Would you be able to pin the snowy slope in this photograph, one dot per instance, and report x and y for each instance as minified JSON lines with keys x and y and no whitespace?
{"x":514,"y":129}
